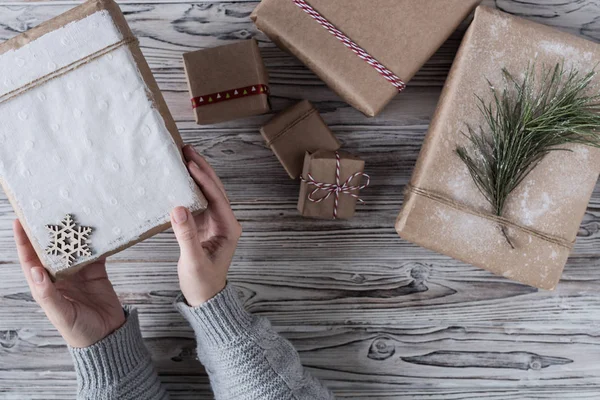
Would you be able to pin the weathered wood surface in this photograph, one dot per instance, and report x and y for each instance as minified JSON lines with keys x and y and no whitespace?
{"x":374,"y":316}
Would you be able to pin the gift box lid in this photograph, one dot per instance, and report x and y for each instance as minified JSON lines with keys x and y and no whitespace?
{"x":87,"y":138}
{"x":400,"y":34}
{"x":230,"y":81}
{"x":296,"y":130}
{"x":551,"y":200}
{"x":284,"y":122}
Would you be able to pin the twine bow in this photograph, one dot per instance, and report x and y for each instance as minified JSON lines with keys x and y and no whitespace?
{"x":336,"y":189}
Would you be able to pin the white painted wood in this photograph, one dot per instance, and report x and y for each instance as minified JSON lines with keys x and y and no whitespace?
{"x":374,"y":316}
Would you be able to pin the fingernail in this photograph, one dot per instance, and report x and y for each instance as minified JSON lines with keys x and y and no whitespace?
{"x":37,"y":275}
{"x":180,"y":215}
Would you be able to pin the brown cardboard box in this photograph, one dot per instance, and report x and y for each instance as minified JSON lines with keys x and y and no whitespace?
{"x":322,"y":167}
{"x":295,"y":131}
{"x":227,"y":82}
{"x":78,"y":13}
{"x":400,"y":34}
{"x":552,"y":199}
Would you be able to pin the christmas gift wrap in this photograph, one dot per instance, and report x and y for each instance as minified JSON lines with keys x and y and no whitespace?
{"x":90,"y":157}
{"x":227,"y":82}
{"x":365,"y":51}
{"x":445,"y":211}
{"x":295,"y":131}
{"x":330,"y":185}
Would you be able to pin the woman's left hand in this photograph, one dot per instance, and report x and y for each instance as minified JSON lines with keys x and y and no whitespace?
{"x":83,"y":307}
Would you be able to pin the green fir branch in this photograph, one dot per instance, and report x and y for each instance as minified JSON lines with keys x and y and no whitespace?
{"x":524,"y":122}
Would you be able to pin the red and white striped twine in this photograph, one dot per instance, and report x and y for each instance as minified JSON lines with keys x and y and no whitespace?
{"x":362,"y":53}
{"x":336,"y":188}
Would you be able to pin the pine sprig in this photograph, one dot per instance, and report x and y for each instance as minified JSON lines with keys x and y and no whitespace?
{"x":525,"y":122}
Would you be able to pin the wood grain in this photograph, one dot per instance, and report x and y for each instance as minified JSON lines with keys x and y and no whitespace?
{"x":374,"y":316}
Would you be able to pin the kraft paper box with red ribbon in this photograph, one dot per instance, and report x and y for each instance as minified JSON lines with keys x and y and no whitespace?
{"x":295,"y":131}
{"x":443,"y":208}
{"x":365,"y":51}
{"x":227,"y":82}
{"x":330,"y":185}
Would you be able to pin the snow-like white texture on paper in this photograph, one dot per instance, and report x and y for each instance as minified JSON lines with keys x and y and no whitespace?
{"x":56,"y":50}
{"x":89,"y":143}
{"x":574,"y":58}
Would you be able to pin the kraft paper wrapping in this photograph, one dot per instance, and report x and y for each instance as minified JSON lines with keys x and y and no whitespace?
{"x":84,"y":10}
{"x":552,"y":199}
{"x":295,"y":131}
{"x":322,"y":165}
{"x":401,"y":34}
{"x":225,"y":68}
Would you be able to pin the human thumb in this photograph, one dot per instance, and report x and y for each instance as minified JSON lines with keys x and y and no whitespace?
{"x":185,"y":229}
{"x":47,"y":295}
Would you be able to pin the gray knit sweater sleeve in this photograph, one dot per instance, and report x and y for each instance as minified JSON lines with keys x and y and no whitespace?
{"x":118,"y":367}
{"x":245,"y":359}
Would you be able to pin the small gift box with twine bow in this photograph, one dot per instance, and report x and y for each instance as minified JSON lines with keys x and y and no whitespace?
{"x":330,"y":185}
{"x":227,"y":82}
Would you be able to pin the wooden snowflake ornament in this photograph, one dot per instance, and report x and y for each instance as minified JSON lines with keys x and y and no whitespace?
{"x":69,"y":240}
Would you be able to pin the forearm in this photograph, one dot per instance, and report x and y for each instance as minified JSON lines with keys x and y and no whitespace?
{"x":118,"y":367}
{"x":244,"y":357}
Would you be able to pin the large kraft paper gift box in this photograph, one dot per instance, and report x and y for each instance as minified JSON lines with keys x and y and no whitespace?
{"x":87,"y":139}
{"x":401,"y":35}
{"x":551,"y":200}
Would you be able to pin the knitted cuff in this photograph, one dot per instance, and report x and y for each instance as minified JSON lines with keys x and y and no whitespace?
{"x":109,"y":361}
{"x":218,"y":322}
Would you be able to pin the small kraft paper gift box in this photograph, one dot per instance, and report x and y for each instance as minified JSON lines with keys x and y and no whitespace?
{"x":295,"y":131}
{"x":90,"y":157}
{"x":227,"y":82}
{"x":330,"y":185}
{"x":447,"y":211}
{"x":365,"y":51}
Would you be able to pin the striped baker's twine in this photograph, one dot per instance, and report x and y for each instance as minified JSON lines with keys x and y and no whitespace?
{"x":335,"y":188}
{"x":362,"y":53}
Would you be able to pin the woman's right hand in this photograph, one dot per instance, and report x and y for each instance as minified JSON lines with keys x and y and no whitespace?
{"x":207,"y":241}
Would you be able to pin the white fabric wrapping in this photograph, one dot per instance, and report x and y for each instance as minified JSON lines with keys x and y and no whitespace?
{"x":89,"y":143}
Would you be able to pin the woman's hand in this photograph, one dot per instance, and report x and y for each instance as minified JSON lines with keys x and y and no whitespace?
{"x":83,"y":307}
{"x":207,"y":241}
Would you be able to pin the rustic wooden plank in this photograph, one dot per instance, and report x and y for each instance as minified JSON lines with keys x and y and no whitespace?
{"x":413,"y":296}
{"x":398,"y":321}
{"x":369,"y":359}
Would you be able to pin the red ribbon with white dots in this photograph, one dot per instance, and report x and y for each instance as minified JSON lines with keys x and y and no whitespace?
{"x":336,"y":188}
{"x":359,"y":51}
{"x":227,"y":95}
